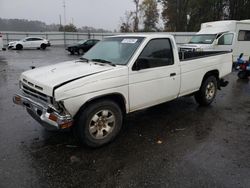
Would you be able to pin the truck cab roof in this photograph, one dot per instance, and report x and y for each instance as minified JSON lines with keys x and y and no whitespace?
{"x":146,"y":35}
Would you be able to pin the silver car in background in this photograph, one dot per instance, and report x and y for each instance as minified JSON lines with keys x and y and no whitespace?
{"x":28,"y":43}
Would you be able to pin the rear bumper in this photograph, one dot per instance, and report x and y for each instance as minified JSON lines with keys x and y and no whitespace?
{"x":47,"y":116}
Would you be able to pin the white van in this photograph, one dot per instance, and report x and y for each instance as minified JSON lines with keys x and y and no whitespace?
{"x":222,"y":36}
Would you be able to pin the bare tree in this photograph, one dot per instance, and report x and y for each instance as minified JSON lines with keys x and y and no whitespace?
{"x":136,"y":19}
{"x":150,"y":14}
{"x":126,"y":22}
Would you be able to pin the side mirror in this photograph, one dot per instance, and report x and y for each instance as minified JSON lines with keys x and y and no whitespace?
{"x":140,"y":63}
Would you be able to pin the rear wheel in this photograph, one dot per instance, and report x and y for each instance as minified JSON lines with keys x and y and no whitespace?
{"x":207,"y":92}
{"x":19,"y":47}
{"x":43,"y":46}
{"x":99,"y":123}
{"x":80,"y":51}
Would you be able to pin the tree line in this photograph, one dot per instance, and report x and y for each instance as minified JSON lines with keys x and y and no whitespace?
{"x":38,"y":26}
{"x":181,"y":15}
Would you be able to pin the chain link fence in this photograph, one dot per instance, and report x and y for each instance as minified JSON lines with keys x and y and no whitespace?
{"x":67,"y":38}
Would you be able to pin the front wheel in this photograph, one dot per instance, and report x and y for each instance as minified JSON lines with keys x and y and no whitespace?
{"x":80,"y":51}
{"x":19,"y":47}
{"x":99,"y":123}
{"x":207,"y":92}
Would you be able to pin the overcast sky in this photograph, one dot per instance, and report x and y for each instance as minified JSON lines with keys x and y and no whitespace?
{"x":96,"y":13}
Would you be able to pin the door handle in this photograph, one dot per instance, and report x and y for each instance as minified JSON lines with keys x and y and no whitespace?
{"x":172,"y":74}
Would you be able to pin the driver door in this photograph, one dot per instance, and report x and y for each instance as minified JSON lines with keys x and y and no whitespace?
{"x":27,"y":43}
{"x":155,"y":77}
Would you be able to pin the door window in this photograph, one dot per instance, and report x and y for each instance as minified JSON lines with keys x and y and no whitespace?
{"x":226,"y":39}
{"x":29,"y":39}
{"x":157,"y":53}
{"x":36,"y":39}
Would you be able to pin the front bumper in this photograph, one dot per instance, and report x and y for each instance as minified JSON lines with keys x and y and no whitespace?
{"x":70,"y":49}
{"x":47,"y":116}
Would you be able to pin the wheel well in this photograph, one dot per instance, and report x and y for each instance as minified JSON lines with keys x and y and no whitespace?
{"x":117,"y":98}
{"x":212,"y":73}
{"x":19,"y":46}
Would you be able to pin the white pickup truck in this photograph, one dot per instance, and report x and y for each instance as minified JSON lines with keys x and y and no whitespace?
{"x":121,"y":74}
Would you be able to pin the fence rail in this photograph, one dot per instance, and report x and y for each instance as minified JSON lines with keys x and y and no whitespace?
{"x":67,"y":38}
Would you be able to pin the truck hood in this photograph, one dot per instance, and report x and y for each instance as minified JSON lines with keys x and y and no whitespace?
{"x":45,"y":79}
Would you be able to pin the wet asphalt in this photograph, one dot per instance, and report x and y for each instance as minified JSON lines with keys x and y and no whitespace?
{"x":177,"y":144}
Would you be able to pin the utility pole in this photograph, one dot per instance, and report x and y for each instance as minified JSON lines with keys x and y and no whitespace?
{"x":136,"y":20}
{"x":64,"y":12}
{"x":60,"y":20}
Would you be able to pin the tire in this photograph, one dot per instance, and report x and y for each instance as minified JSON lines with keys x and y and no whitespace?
{"x":43,"y":46}
{"x":99,"y":123}
{"x":242,"y":75}
{"x":19,"y":47}
{"x":80,"y":51}
{"x":72,"y":52}
{"x":207,"y":92}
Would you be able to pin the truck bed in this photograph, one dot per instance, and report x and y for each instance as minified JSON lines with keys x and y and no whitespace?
{"x":188,"y":55}
{"x":195,"y":65}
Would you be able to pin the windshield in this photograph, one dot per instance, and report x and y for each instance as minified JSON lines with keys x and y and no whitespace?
{"x":117,"y":50}
{"x":202,"y":39}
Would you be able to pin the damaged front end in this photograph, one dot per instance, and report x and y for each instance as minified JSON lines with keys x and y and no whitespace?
{"x":50,"y":114}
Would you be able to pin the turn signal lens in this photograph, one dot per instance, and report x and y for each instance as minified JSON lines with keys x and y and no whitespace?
{"x":17,"y":100}
{"x":53,"y":117}
{"x":66,"y":125}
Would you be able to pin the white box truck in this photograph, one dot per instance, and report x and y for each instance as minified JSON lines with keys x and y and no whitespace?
{"x":222,"y":36}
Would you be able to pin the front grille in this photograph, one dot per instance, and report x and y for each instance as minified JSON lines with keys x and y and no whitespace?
{"x":32,"y":85}
{"x":36,"y":94}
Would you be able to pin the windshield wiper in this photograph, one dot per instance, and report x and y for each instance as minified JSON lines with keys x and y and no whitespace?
{"x":83,"y":59}
{"x":103,"y":61}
